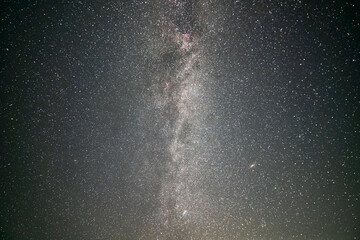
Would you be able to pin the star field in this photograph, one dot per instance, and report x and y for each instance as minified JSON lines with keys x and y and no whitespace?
{"x":180,"y":119}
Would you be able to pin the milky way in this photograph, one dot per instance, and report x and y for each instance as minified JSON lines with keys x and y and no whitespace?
{"x":180,"y":119}
{"x":179,"y":96}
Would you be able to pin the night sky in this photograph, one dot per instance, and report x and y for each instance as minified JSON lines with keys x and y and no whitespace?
{"x":180,"y":119}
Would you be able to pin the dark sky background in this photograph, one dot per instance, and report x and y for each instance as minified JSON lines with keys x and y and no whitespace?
{"x":180,"y":119}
